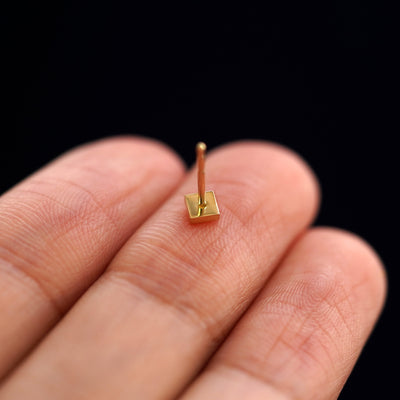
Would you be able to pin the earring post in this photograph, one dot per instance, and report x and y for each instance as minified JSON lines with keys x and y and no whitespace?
{"x":201,"y":206}
{"x":201,"y":173}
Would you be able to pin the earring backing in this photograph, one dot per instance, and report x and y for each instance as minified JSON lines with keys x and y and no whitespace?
{"x":202,"y":206}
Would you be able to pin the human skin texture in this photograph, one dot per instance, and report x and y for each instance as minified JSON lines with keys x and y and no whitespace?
{"x":108,"y":291}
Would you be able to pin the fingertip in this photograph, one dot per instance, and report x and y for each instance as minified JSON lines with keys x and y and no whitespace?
{"x":364,"y":265}
{"x":121,"y":146}
{"x":253,"y":155}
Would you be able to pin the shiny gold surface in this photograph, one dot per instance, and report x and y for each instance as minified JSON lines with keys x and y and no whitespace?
{"x":202,"y":206}
{"x":201,"y":179}
{"x":209,"y":212}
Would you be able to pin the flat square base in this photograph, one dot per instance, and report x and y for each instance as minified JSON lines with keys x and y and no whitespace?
{"x":197,"y":214}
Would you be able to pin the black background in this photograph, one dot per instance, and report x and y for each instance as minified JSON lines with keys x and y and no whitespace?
{"x":317,"y":77}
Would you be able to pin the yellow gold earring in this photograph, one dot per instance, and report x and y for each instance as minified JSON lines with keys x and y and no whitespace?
{"x":202,"y":206}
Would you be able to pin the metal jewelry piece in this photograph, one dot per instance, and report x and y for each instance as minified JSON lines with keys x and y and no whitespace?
{"x":202,"y":206}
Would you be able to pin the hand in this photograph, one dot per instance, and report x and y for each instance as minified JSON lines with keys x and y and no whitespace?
{"x":108,"y":292}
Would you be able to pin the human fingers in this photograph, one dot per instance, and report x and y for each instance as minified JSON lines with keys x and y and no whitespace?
{"x":175,"y":289}
{"x":61,"y":227}
{"x":302,"y":336}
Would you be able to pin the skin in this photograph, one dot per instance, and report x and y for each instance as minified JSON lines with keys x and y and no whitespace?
{"x":107,"y":291}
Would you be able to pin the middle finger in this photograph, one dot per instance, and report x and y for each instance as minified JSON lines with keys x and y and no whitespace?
{"x":174,"y":290}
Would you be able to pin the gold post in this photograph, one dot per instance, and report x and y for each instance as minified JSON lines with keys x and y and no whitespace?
{"x":202,"y":206}
{"x":201,"y":181}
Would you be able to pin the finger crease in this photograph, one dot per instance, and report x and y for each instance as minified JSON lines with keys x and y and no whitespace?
{"x":37,"y":283}
{"x":258,"y":377}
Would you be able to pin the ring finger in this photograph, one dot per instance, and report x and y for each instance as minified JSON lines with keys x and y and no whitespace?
{"x":302,"y":335}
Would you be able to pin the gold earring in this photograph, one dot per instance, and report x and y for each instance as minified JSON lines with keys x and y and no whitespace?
{"x":202,"y":206}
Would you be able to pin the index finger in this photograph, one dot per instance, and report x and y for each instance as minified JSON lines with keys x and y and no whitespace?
{"x":61,"y":227}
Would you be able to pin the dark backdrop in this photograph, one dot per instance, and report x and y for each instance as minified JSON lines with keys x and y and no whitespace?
{"x":317,"y":77}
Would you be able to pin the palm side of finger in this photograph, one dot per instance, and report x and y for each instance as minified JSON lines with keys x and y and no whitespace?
{"x":171,"y":294}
